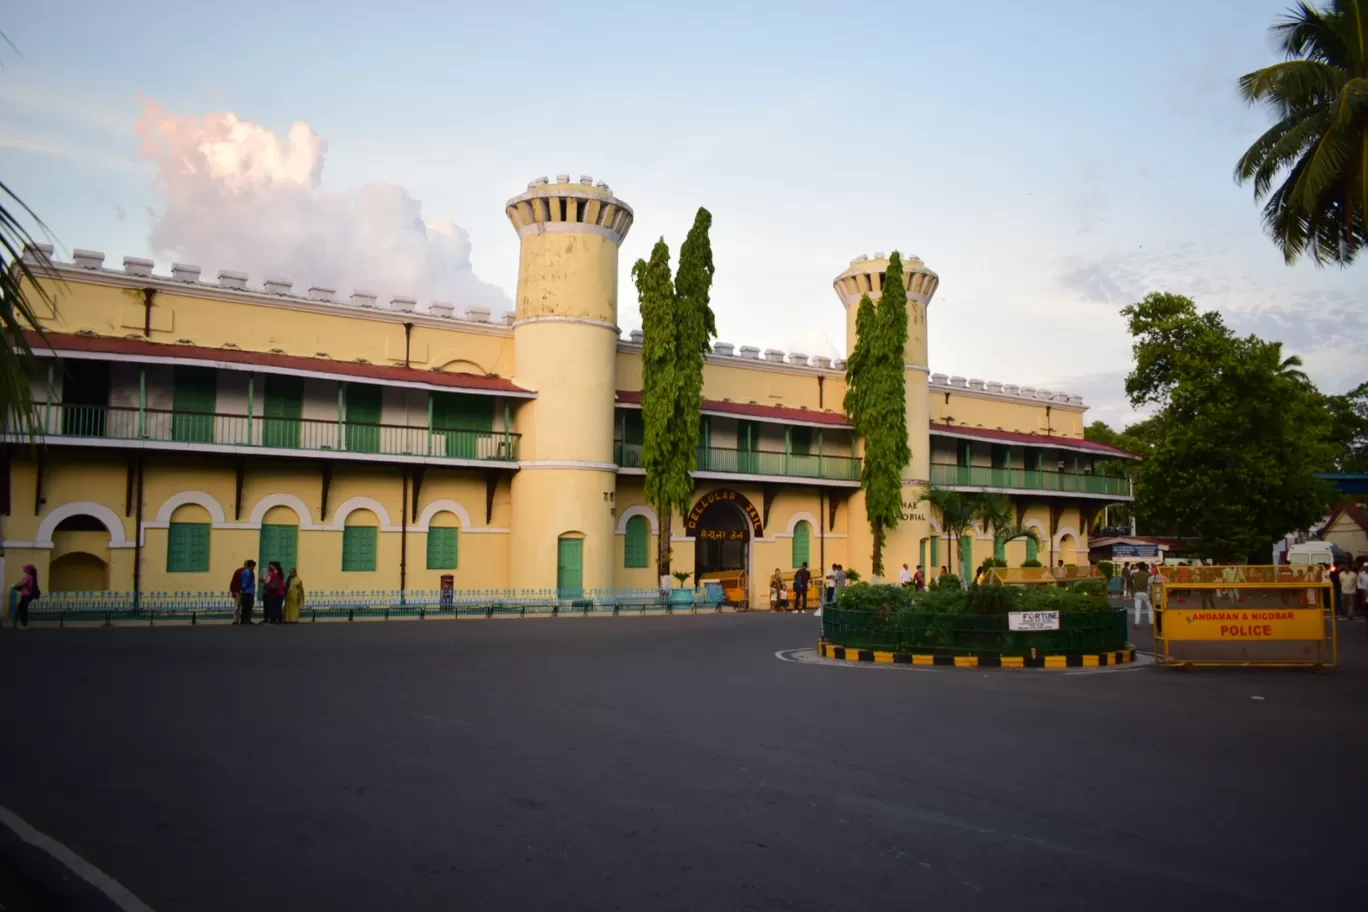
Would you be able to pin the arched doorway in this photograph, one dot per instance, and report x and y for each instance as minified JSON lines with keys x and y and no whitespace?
{"x":722,"y":524}
{"x":79,"y":560}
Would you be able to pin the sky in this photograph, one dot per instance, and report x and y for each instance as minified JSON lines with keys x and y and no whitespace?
{"x":1051,"y":161}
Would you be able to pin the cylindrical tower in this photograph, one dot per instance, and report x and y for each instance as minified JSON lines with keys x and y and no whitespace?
{"x":565,"y":348}
{"x":866,"y":276}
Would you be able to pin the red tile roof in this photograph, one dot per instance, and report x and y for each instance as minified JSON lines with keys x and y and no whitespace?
{"x":996,"y":436}
{"x":750,"y":410}
{"x":67,"y":342}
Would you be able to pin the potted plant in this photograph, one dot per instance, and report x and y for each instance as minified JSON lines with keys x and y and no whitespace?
{"x":681,"y":595}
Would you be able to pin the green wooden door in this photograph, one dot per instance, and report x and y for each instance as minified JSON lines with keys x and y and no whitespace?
{"x":570,"y":568}
{"x":284,"y":407}
{"x":363,"y":418}
{"x":278,"y":543}
{"x":192,"y":404}
{"x":464,"y":421}
{"x":747,"y":447}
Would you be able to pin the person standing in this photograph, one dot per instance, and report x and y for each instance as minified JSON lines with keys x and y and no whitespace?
{"x":1363,"y":588}
{"x":28,"y":590}
{"x":905,"y":577}
{"x":1140,"y":583}
{"x":801,"y":580}
{"x":840,"y":579}
{"x":831,"y":585}
{"x":273,"y":594}
{"x":245,"y":581}
{"x":1348,"y":590}
{"x":294,"y":596}
{"x":919,"y":579}
{"x":776,"y":589}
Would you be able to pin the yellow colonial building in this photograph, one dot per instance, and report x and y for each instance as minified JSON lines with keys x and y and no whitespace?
{"x":189,"y":424}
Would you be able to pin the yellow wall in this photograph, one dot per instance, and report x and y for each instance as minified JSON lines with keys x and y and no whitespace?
{"x":962,"y":408}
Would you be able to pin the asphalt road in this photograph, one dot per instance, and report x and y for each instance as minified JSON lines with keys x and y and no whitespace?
{"x":673,"y":763}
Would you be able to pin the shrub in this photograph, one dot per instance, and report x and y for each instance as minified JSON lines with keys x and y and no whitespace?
{"x":881,"y":598}
{"x":1108,"y":568}
{"x":1032,"y":563}
{"x":991,"y":599}
{"x":1090,"y":587}
{"x":942,"y":600}
{"x":1064,"y":601}
{"x":852,"y":576}
{"x":949,"y":581}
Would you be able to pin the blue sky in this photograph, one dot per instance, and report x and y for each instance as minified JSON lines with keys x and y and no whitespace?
{"x":1052,"y":161}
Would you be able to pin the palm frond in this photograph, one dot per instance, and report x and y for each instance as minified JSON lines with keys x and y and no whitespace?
{"x":1308,"y":32}
{"x":1293,"y":84}
{"x":19,"y":290}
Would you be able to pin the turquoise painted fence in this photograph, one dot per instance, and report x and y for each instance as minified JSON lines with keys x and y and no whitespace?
{"x":63,"y":608}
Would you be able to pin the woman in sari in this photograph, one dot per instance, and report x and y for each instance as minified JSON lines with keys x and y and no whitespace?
{"x":294,"y":597}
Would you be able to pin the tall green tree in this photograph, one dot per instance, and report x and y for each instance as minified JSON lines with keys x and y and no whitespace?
{"x":1242,"y":432}
{"x":20,"y":293}
{"x":677,"y":324}
{"x":1349,"y":429}
{"x":958,"y":513}
{"x":996,"y":514}
{"x":876,"y":403}
{"x":1318,"y":144}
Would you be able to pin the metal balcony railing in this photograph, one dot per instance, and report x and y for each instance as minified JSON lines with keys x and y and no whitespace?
{"x":758,"y":462}
{"x":1028,"y":479}
{"x":59,"y":420}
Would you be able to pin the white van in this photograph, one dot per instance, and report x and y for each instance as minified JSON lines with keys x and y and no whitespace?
{"x":1311,"y":552}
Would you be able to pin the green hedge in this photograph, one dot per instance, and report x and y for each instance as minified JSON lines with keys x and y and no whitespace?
{"x":1086,"y":597}
{"x":964,"y":633}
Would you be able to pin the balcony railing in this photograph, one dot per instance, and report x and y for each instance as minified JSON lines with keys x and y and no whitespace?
{"x":307,"y":434}
{"x":758,"y":462}
{"x":1029,"y":479}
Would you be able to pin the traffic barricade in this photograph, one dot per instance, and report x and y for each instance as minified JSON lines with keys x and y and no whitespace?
{"x":1245,"y":615}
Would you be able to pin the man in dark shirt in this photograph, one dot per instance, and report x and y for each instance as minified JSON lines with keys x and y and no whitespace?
{"x":801,"y":579}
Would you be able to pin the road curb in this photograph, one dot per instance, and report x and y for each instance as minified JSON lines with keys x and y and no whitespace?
{"x":986,"y":660}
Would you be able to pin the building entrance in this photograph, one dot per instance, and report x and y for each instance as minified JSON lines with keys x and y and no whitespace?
{"x":722,"y":524}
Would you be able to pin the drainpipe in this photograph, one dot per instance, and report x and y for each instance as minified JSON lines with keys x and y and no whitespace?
{"x":408,"y":342}
{"x":403,"y":539}
{"x":137,"y":537}
{"x":148,"y":295}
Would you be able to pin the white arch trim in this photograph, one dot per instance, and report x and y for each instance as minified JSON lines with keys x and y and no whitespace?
{"x":1067,"y":530}
{"x":270,"y":501}
{"x":442,"y":506}
{"x":106,"y":516}
{"x":200,"y":498}
{"x":800,"y":516}
{"x":638,"y":510}
{"x":353,"y":504}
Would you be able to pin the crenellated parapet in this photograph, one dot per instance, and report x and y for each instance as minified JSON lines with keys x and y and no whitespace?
{"x":565,"y":206}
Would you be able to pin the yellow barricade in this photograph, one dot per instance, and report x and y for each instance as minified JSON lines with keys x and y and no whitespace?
{"x":1245,"y":616}
{"x":1043,"y":576}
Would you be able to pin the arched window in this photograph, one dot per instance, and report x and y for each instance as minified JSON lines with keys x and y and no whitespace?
{"x":1032,"y":549}
{"x":187,"y":540}
{"x":802,"y":543}
{"x":443,"y":542}
{"x":967,"y":556}
{"x":360,"y":536}
{"x":1000,"y":549}
{"x":637,"y":547}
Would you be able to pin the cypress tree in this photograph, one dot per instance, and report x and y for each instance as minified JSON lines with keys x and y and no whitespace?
{"x":677,"y":323}
{"x":876,"y":403}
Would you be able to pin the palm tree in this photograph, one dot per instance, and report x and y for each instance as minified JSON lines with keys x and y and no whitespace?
{"x":957,"y":512}
{"x":1319,"y":98}
{"x":996,"y":515}
{"x":18,"y":289}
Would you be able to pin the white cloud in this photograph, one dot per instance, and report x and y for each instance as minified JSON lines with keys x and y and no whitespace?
{"x":236,"y":196}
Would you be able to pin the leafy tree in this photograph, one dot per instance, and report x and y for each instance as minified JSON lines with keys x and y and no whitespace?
{"x":958,"y":512}
{"x":1240,"y":434}
{"x":996,"y":515}
{"x":876,"y":403}
{"x":676,"y":323}
{"x":1318,"y":98}
{"x":1349,"y":429}
{"x":19,"y":293}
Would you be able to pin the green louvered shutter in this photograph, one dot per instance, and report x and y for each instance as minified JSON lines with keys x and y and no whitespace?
{"x":802,"y":543}
{"x":192,"y":404}
{"x":443,"y":546}
{"x":363,"y":418}
{"x":187,"y":548}
{"x":637,"y":547}
{"x":358,"y":548}
{"x":284,"y":408}
{"x":464,"y":421}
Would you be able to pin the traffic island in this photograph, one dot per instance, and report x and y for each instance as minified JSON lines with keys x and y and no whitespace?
{"x":979,"y":627}
{"x":985,"y":660}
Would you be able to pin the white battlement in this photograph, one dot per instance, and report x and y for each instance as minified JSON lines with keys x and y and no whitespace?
{"x":1005,"y":390}
{"x":230,"y":281}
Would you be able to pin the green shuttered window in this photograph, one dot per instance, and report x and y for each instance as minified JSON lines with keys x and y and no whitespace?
{"x":363,"y":418}
{"x":1032,"y":549}
{"x":279,"y":542}
{"x":443,"y":547}
{"x":358,"y":548}
{"x":192,"y":404}
{"x":464,"y":421}
{"x":802,"y":543}
{"x":187,"y":548}
{"x":637,"y":547}
{"x":284,"y":408}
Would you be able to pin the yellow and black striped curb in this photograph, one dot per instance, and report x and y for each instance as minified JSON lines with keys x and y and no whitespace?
{"x":1066,"y":660}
